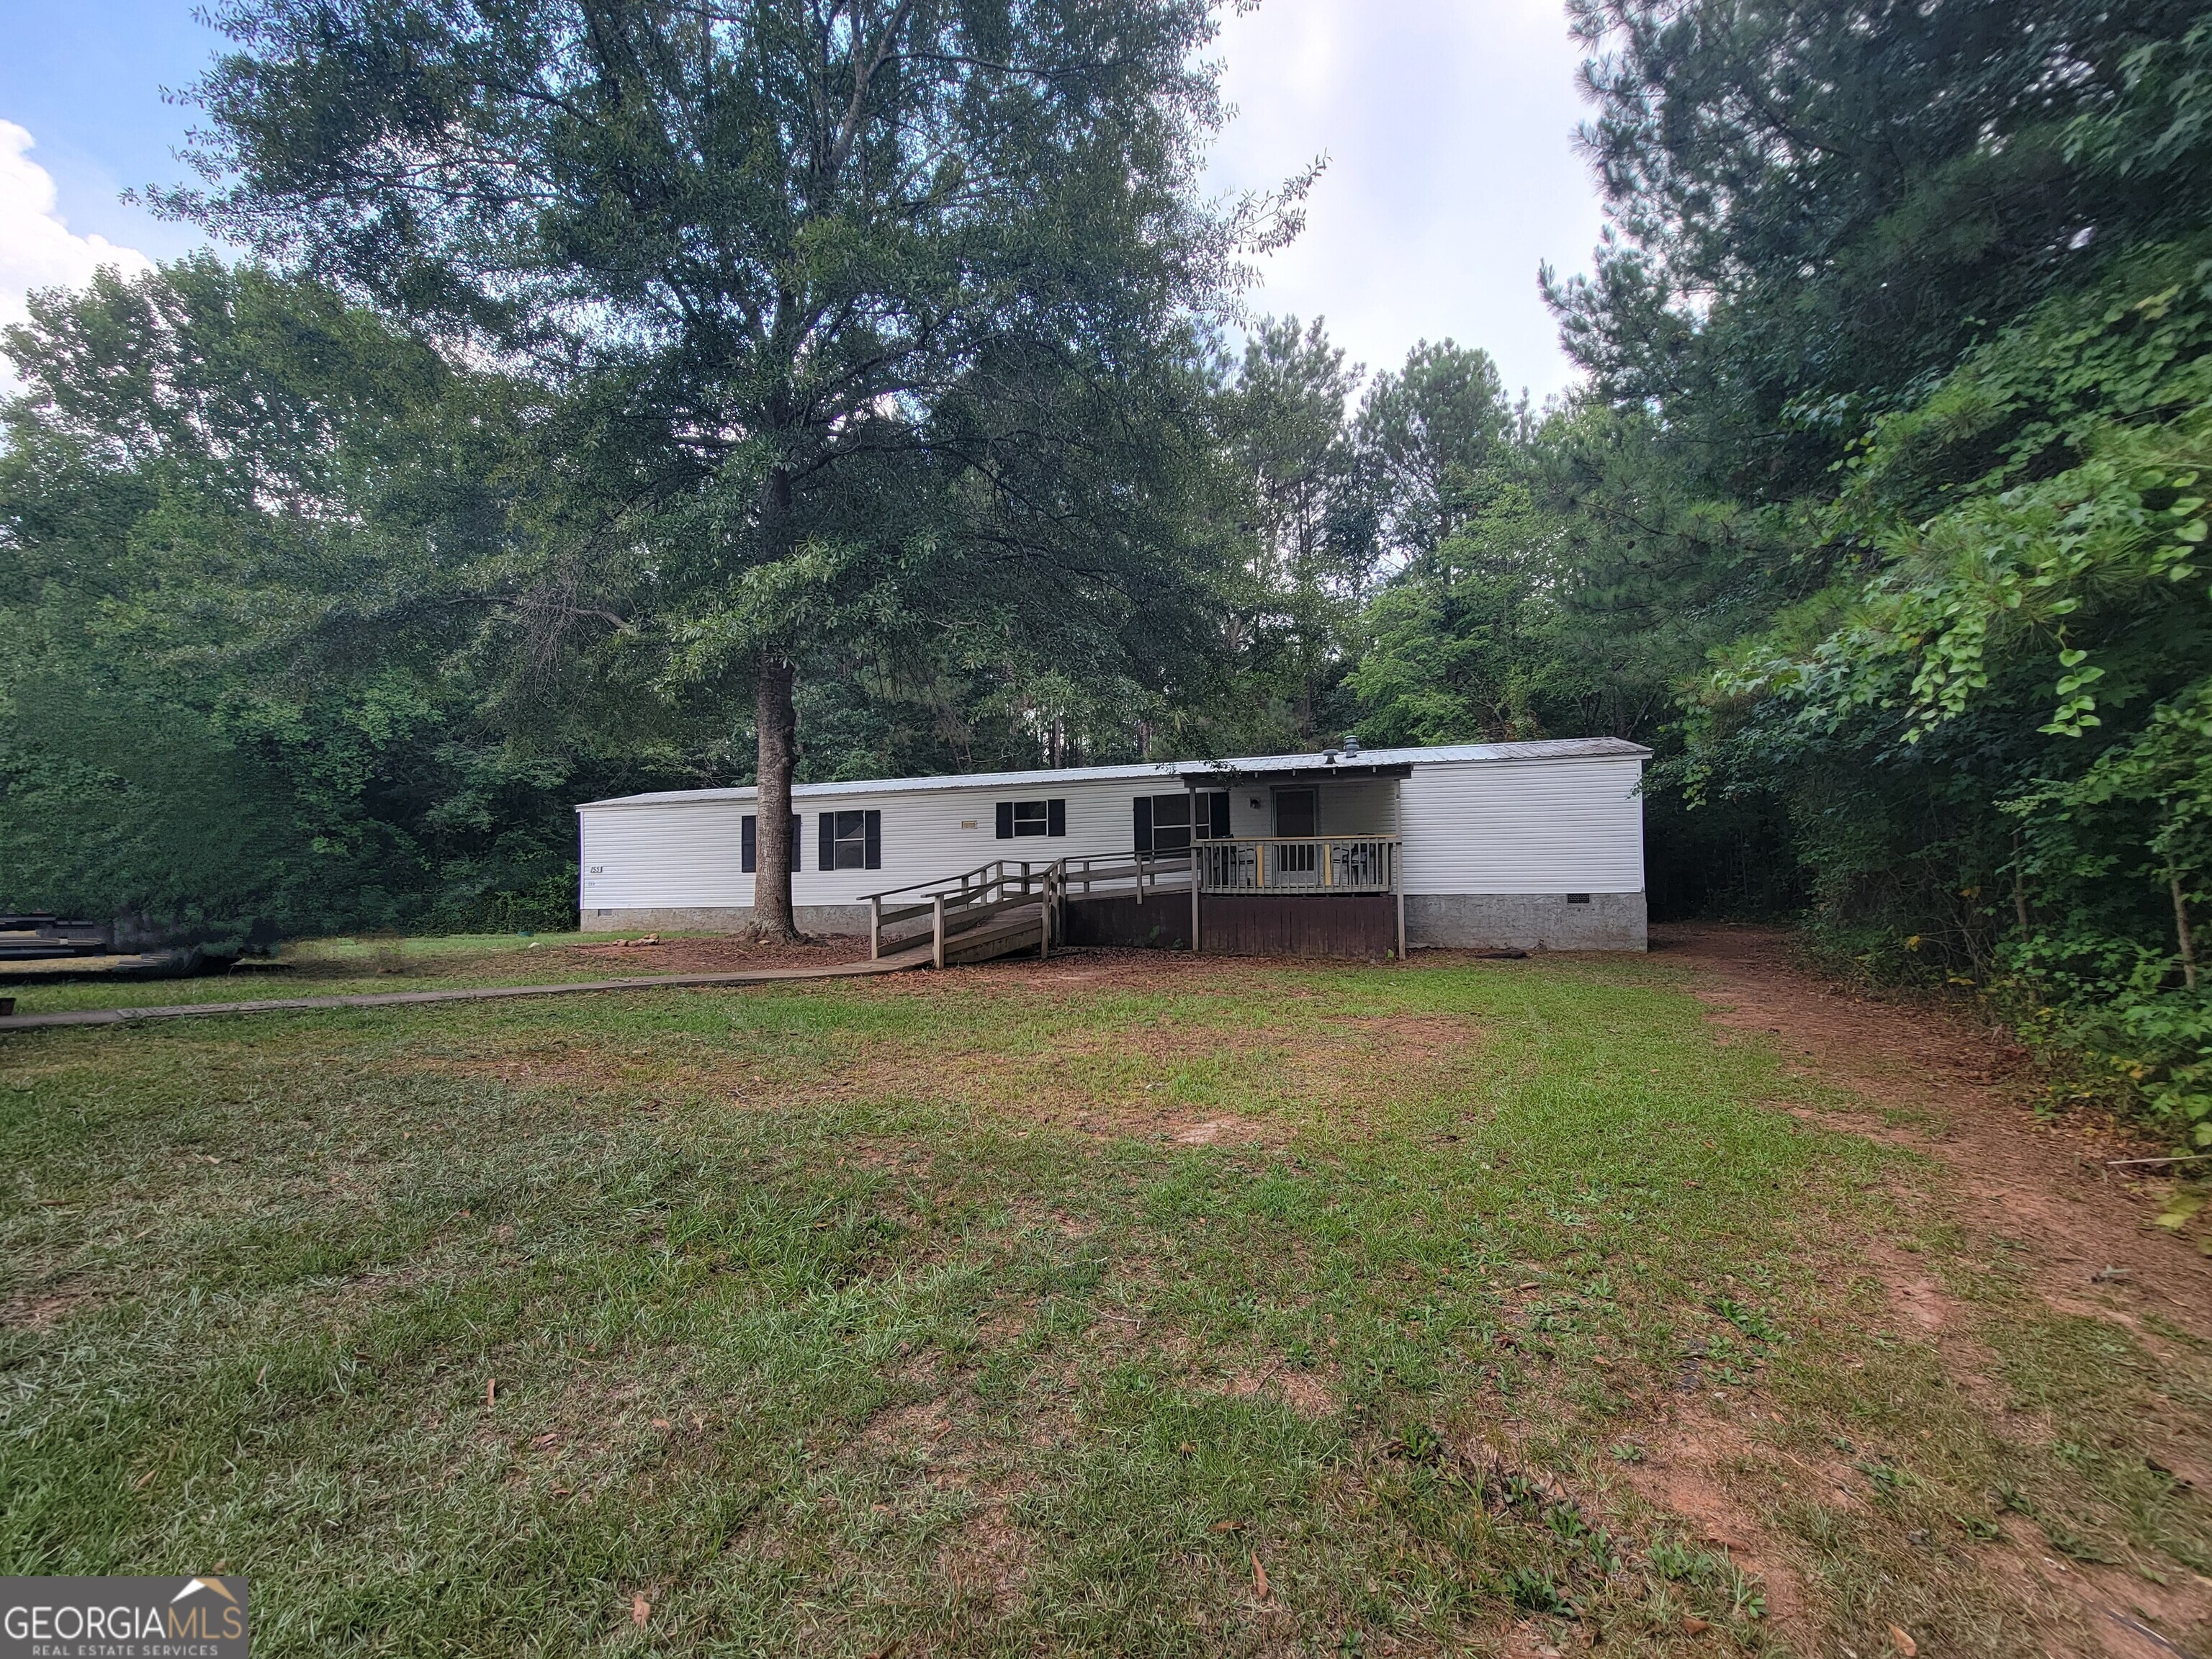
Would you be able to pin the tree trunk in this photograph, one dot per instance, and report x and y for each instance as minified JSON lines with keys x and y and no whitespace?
{"x":2181,"y":927}
{"x":778,"y":725}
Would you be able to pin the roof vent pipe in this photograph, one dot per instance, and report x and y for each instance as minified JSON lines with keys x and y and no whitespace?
{"x":1350,"y":744}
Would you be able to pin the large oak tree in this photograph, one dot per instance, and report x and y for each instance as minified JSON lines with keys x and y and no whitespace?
{"x":822,"y":275}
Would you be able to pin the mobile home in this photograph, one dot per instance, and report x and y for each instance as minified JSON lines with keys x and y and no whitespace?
{"x":1534,"y":846}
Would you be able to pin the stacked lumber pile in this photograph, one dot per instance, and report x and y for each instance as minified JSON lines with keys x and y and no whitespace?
{"x":41,"y":946}
{"x":40,"y":937}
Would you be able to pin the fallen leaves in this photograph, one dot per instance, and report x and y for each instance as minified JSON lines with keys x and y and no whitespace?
{"x":639,"y":1611}
{"x":1905,"y":1644}
{"x":491,"y":1390}
{"x":1259,"y":1578}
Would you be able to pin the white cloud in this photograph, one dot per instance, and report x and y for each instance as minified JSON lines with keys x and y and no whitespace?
{"x":1449,"y":125}
{"x":37,"y":247}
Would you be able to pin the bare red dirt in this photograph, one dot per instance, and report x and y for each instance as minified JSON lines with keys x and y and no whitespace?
{"x":649,"y":953}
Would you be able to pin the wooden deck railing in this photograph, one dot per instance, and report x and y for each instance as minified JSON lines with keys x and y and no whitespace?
{"x":1146,"y":875}
{"x":1299,"y":864}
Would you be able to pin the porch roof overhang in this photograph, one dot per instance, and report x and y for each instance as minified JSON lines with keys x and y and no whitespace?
{"x":1300,"y":769}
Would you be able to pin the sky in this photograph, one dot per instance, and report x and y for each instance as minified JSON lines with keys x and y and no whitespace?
{"x":1447,"y":125}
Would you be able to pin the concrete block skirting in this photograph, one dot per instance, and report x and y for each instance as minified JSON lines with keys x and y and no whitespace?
{"x":725,"y":919}
{"x":1526,"y":921}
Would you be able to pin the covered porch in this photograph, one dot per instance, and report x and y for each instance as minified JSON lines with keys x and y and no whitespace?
{"x":1290,"y":860}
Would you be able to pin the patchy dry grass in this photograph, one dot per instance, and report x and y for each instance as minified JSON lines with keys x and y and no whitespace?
{"x":1480,"y":1307}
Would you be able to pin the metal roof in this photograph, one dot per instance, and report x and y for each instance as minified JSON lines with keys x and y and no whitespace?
{"x":1173,"y":772}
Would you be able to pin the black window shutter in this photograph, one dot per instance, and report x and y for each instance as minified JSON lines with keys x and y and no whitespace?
{"x":828,"y":840}
{"x":875,"y":828}
{"x":1144,"y":823}
{"x":1005,"y":820}
{"x":798,"y":844}
{"x":749,"y":844}
{"x":1055,"y":817}
{"x":1221,"y":817}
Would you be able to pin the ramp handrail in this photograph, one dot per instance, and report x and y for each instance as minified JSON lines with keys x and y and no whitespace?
{"x":963,"y":904}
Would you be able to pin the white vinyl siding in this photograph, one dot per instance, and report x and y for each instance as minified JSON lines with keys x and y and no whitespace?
{"x":666,"y":855}
{"x":1565,"y":826}
{"x":680,"y":854}
{"x":1357,"y":809}
{"x":923,"y":840}
{"x":1251,"y":810}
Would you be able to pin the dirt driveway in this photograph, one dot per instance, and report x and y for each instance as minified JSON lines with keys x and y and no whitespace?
{"x":1936,"y":1082}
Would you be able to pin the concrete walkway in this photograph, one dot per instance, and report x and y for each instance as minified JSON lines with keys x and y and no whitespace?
{"x":903,"y":960}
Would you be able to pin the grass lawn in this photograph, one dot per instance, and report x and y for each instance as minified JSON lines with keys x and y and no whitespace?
{"x":1027,"y":1311}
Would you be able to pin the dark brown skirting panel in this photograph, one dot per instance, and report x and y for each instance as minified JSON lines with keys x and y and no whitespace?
{"x":1161,"y":923}
{"x":1360,"y":925}
{"x":1299,"y":925}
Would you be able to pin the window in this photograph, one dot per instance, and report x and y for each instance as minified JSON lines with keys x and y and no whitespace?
{"x":1164,"y":822}
{"x":1019,"y":818}
{"x":749,"y":844}
{"x":851,"y":841}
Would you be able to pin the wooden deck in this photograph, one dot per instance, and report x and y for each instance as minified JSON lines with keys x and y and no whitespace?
{"x":1159,"y":922}
{"x":1275,"y":896}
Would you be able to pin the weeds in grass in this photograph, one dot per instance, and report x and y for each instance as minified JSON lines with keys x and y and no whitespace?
{"x":1673,"y":1559}
{"x":1751,"y":1321}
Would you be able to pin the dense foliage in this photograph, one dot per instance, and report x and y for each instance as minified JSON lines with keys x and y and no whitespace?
{"x":251,"y":668}
{"x":306,"y":628}
{"x":1994,"y":725}
{"x":1922,"y":294}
